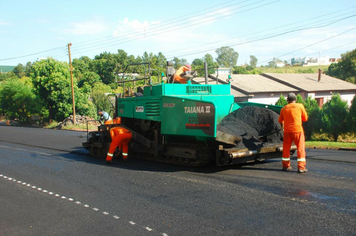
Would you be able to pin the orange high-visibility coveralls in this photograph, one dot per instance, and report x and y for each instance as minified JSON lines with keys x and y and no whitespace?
{"x":292,"y":116}
{"x":108,"y":122}
{"x":120,"y":138}
{"x":178,"y":78}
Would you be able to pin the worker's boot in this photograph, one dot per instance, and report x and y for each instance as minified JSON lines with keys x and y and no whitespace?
{"x":287,"y":169}
{"x":305,"y":170}
{"x":109,"y":158}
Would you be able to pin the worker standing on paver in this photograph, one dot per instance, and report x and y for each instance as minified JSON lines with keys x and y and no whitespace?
{"x":120,"y":138}
{"x":178,"y":78}
{"x":291,"y":118}
{"x":105,"y":117}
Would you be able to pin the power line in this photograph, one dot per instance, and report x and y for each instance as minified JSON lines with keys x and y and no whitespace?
{"x":32,"y":54}
{"x":261,"y":38}
{"x":314,"y":43}
{"x":165,"y":22}
{"x":315,"y":24}
{"x":169,"y":28}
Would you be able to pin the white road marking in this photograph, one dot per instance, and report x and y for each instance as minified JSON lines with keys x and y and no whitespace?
{"x":25,"y":150}
{"x":77,"y":202}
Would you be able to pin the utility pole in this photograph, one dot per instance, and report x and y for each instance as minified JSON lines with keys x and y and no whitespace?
{"x":71,"y":77}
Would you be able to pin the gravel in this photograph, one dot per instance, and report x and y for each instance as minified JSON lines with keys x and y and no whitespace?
{"x":257,"y":126}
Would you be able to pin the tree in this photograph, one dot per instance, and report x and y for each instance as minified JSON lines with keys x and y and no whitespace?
{"x":52,"y":84}
{"x":90,"y":78}
{"x":179,"y":62}
{"x":314,"y":116}
{"x":20,"y":70}
{"x":208,"y":58}
{"x":282,"y":101}
{"x":346,"y":68}
{"x":253,"y":61}
{"x":227,"y":57}
{"x":351,"y":116}
{"x":80,"y":67}
{"x":99,"y":99}
{"x":333,"y":117}
{"x":17,"y":100}
{"x":274,"y":62}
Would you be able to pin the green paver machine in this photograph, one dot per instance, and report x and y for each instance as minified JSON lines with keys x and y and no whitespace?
{"x":177,"y":123}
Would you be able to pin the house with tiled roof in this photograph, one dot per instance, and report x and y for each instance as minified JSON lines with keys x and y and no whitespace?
{"x":267,"y":88}
{"x":321,"y":87}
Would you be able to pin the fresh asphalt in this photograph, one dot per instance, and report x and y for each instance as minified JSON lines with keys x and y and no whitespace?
{"x":50,"y":185}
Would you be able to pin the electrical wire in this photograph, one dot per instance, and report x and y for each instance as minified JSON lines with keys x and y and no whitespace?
{"x":32,"y":54}
{"x":346,"y":31}
{"x":179,"y":25}
{"x":261,"y":38}
{"x":311,"y":24}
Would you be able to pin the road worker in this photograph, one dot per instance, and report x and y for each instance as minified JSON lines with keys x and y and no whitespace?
{"x":178,"y":77}
{"x":105,"y":117}
{"x":120,"y":138}
{"x":291,"y":118}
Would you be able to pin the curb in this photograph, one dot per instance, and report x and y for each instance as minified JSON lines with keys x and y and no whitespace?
{"x":347,"y":149}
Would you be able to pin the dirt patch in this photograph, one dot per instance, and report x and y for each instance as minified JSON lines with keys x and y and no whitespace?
{"x":79,"y":120}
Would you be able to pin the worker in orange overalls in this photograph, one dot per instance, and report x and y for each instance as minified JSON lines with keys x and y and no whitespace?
{"x":105,"y":117}
{"x":177,"y":78}
{"x":120,"y":138}
{"x":291,"y":117}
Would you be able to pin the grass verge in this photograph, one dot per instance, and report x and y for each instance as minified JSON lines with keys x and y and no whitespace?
{"x":329,"y":145}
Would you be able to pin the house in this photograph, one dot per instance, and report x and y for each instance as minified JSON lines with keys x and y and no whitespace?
{"x":313,"y":61}
{"x":321,"y":87}
{"x":223,"y":71}
{"x":267,"y":88}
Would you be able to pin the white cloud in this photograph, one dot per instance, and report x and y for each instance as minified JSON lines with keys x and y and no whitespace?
{"x":90,"y":27}
{"x":2,"y":22}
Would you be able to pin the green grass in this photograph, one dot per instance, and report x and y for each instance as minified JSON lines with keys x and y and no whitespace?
{"x":293,"y":69}
{"x":329,"y":145}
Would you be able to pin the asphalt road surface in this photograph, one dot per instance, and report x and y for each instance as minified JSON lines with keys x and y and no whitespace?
{"x":51,"y":186}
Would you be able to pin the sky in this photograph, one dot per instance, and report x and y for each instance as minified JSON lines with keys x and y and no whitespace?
{"x":266,"y":29}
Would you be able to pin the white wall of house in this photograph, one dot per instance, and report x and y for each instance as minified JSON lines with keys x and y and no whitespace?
{"x":280,"y":64}
{"x":321,"y":97}
{"x":265,"y":98}
{"x":311,"y":61}
{"x":223,"y":71}
{"x":347,"y":96}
